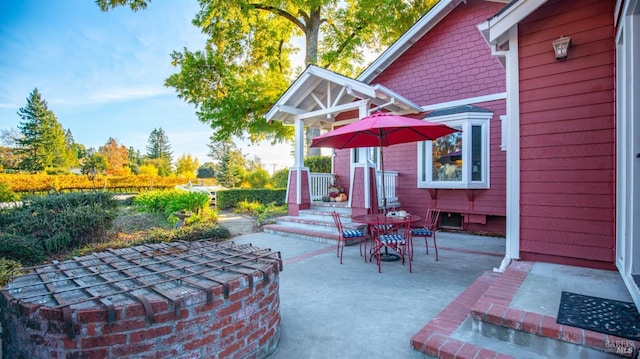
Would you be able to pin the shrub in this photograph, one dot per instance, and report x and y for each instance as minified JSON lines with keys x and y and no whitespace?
{"x":61,"y":222}
{"x":8,"y":269}
{"x":169,"y":202}
{"x":26,"y":250}
{"x":7,"y":194}
{"x":231,"y":198}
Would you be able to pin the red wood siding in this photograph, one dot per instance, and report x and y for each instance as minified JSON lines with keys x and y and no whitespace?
{"x":451,"y":62}
{"x":568,"y":135}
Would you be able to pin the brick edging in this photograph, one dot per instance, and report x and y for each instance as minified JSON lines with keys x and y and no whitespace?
{"x":435,"y":338}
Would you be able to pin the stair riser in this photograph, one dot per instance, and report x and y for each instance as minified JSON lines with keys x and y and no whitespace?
{"x":529,"y":343}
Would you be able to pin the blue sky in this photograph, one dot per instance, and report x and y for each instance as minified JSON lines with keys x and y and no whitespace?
{"x":103,"y":74}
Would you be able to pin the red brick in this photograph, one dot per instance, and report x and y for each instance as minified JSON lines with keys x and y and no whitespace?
{"x":184,"y":324}
{"x":486,"y":354}
{"x":595,"y":340}
{"x":450,"y":347}
{"x":550,"y":328}
{"x":532,"y":323}
{"x":571,"y":334}
{"x":149,"y":334}
{"x":89,"y":354}
{"x":229,"y":309}
{"x":91,"y":315}
{"x":468,"y":351}
{"x":164,"y":353}
{"x":240,"y":294}
{"x":130,"y":349}
{"x":231,"y":330}
{"x":433,"y":344}
{"x":513,"y":318}
{"x":218,"y":324}
{"x":200,"y":342}
{"x":124,"y":326}
{"x":495,"y":314}
{"x":104,"y":341}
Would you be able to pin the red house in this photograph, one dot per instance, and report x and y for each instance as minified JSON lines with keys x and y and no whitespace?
{"x":549,"y":152}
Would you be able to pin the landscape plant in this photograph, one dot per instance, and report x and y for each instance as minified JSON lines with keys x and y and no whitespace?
{"x":55,"y":224}
{"x":170,"y":201}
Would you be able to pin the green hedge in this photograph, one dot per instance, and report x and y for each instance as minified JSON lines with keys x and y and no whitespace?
{"x":230,"y":198}
{"x":318,"y":164}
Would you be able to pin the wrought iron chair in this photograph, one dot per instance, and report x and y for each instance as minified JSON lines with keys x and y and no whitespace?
{"x":429,"y":229}
{"x":347,"y":233}
{"x":397,"y":239}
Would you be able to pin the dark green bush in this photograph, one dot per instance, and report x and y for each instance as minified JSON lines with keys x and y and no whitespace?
{"x":61,"y":222}
{"x":230,"y":198}
{"x":26,"y":250}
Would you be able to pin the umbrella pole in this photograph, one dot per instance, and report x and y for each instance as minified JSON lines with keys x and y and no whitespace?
{"x":384,"y":192}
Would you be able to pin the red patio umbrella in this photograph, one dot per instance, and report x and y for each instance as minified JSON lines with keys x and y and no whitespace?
{"x":382,"y":129}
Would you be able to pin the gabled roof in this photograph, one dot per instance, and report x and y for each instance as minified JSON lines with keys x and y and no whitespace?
{"x":319,"y":95}
{"x":415,"y":33}
{"x":496,"y":29}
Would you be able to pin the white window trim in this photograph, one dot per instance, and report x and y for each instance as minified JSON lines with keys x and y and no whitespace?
{"x":465,"y":120}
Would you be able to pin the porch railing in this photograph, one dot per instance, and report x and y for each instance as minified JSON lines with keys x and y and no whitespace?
{"x":390,"y":178}
{"x":320,"y":185}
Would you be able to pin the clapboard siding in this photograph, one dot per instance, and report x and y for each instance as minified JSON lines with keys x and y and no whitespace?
{"x":567,"y":131}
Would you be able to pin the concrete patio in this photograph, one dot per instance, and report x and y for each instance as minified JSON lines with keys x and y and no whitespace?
{"x":351,"y":311}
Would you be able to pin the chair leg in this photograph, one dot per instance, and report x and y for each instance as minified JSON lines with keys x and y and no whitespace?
{"x":340,"y":249}
{"x":435,"y":245}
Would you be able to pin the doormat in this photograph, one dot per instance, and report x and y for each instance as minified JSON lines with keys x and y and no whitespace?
{"x":601,"y":315}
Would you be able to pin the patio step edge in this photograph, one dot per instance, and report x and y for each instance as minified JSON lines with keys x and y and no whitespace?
{"x":435,"y":339}
{"x":493,"y":308}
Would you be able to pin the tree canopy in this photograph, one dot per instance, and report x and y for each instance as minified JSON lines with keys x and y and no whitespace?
{"x":246,"y":63}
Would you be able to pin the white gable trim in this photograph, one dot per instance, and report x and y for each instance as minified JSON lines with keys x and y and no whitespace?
{"x":496,"y":29}
{"x":415,"y":33}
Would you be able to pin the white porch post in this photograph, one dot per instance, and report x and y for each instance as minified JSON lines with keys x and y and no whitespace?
{"x":298,"y":162}
{"x":299,"y":143}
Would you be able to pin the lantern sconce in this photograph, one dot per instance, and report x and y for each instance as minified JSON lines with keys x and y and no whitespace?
{"x":561,"y":47}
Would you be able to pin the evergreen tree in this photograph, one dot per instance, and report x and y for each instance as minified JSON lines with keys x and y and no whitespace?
{"x":43,"y":138}
{"x":158,"y":146}
{"x":231,"y":171}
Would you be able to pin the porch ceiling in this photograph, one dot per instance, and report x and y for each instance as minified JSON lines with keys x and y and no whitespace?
{"x":318,"y":96}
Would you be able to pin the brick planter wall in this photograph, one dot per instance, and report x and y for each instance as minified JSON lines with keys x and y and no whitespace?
{"x":239,"y":321}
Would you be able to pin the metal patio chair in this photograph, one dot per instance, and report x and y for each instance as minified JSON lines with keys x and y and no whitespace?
{"x":428,"y":230}
{"x":345,"y":234}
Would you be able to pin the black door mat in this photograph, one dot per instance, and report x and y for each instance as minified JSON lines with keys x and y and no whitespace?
{"x":600,"y":315}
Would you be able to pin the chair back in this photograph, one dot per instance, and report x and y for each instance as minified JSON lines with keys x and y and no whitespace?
{"x":337,"y":221}
{"x":431,"y":220}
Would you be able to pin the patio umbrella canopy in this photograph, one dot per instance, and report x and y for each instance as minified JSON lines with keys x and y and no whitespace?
{"x":382,"y":129}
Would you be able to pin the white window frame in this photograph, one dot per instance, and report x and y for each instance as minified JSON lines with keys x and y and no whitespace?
{"x":464,"y":121}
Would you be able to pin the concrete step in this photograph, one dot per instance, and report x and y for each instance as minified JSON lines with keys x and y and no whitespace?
{"x":520,"y":344}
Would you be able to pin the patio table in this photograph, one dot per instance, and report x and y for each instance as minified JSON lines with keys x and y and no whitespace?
{"x":382,"y":219}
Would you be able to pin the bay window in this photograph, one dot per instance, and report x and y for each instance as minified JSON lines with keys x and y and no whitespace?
{"x":458,"y":160}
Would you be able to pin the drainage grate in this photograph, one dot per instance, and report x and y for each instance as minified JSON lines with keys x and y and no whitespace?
{"x":141,"y":274}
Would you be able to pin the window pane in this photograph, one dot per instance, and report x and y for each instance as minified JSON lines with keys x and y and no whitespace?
{"x":423,"y":168}
{"x":476,"y":153}
{"x":447,"y":158}
{"x":356,"y":155}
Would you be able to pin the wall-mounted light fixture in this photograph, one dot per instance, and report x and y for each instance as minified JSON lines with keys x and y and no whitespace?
{"x":561,"y":47}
